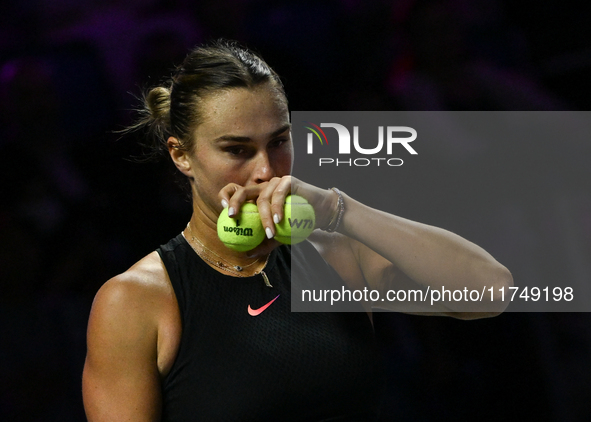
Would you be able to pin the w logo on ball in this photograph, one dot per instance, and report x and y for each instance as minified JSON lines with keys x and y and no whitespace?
{"x":298,"y":221}
{"x":301,"y":224}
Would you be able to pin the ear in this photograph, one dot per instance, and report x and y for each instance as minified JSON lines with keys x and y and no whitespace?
{"x":179,"y":156}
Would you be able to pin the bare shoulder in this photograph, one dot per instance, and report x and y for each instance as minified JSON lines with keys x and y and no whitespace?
{"x":141,"y":291}
{"x":148,"y":273}
{"x":139,"y":308}
{"x":140,"y":304}
{"x":133,"y":335}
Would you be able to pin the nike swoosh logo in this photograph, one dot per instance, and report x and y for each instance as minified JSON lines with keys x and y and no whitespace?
{"x":255,"y":312}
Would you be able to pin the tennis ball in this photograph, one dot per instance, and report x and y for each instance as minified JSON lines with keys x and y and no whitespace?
{"x":298,"y":221}
{"x":243,"y":233}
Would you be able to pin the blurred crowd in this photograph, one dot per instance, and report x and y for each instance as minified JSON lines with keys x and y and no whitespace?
{"x":81,"y":204}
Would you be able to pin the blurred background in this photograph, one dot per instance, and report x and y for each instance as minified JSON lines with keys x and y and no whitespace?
{"x":79,"y":206}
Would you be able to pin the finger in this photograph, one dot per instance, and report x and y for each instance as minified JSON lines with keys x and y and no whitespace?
{"x":282,"y":190}
{"x":226,"y":193}
{"x":264,"y":202}
{"x":240,"y":195}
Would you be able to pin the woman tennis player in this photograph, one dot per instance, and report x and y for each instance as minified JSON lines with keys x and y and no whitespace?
{"x":196,"y":331}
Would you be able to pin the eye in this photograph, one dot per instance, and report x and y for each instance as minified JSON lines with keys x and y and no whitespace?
{"x":278,"y":142}
{"x":236,"y":150}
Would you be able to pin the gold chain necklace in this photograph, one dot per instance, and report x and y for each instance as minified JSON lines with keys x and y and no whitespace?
{"x":234,"y":269}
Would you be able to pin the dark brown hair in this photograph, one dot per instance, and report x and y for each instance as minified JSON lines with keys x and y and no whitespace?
{"x":173,"y":109}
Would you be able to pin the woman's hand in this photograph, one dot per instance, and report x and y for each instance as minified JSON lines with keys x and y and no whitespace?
{"x":380,"y":250}
{"x":270,"y":199}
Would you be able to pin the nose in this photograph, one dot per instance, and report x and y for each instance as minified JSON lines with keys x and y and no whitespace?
{"x":263,"y":170}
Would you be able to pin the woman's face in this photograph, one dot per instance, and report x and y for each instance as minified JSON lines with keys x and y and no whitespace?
{"x":244,"y":138}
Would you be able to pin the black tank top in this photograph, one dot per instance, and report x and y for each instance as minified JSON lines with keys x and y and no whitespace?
{"x":276,"y":366}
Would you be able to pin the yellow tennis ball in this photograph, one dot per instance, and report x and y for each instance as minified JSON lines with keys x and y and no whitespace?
{"x":298,"y":221}
{"x":243,"y":233}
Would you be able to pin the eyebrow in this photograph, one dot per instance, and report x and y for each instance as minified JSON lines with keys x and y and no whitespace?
{"x":234,"y":138}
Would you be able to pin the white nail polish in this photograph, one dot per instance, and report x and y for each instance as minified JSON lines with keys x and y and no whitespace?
{"x":224,"y":203}
{"x":269,"y":233}
{"x":231,"y":211}
{"x":276,"y":218}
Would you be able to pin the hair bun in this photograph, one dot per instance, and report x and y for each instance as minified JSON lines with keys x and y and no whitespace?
{"x":217,"y":66}
{"x":158,"y":104}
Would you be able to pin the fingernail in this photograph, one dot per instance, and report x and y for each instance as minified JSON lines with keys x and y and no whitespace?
{"x":224,"y":203}
{"x":231,"y":211}
{"x":269,"y":233}
{"x":276,"y":218}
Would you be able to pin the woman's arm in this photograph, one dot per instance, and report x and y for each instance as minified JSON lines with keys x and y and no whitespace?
{"x":394,"y":253}
{"x":126,"y":354}
{"x":386,"y":252}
